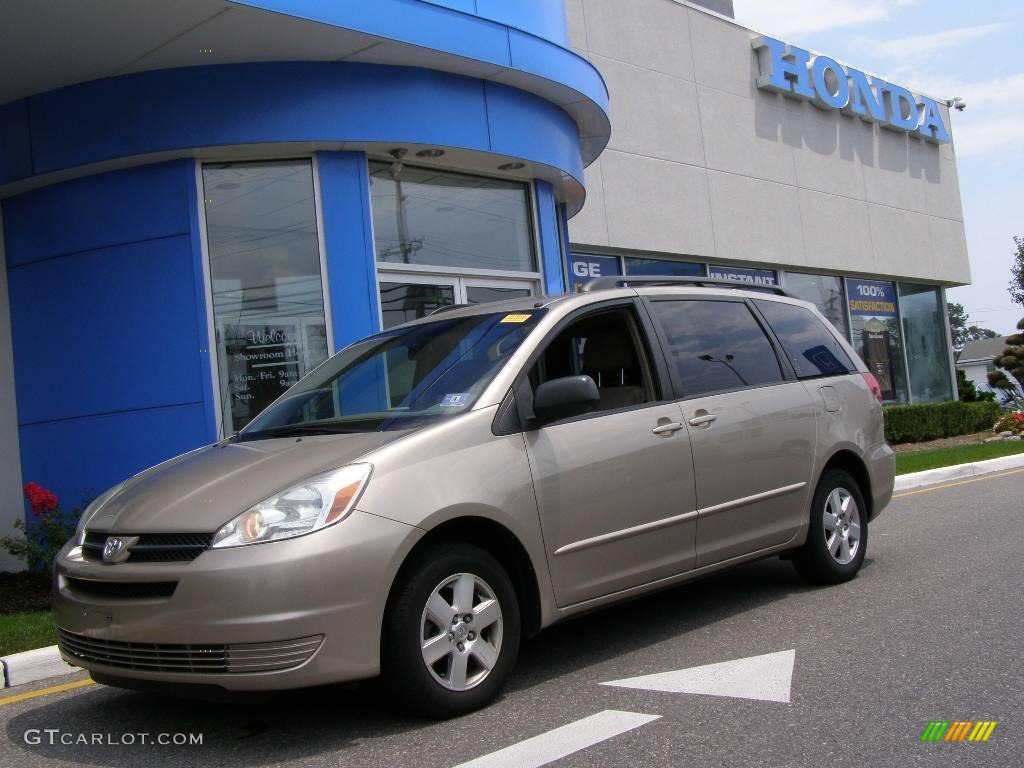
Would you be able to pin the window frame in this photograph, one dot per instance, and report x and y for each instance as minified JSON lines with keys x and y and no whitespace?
{"x":515,"y":414}
{"x":785,"y":368}
{"x":536,"y":257}
{"x":216,"y":381}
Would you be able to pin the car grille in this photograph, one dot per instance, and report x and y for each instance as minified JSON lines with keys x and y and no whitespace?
{"x":120,"y":590}
{"x":152,"y":547}
{"x":193,"y":658}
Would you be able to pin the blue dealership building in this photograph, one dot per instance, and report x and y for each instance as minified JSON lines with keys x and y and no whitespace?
{"x":202,"y":200}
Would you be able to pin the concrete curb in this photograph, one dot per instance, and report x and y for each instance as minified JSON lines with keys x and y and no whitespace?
{"x":39,"y":664}
{"x":957,"y":472}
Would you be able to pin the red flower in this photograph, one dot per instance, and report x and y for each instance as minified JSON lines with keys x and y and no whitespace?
{"x":40,"y":499}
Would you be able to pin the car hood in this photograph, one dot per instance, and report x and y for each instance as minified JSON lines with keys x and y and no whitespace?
{"x":200,"y":491}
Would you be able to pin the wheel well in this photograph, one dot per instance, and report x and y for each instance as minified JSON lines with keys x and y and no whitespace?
{"x":850,"y":463}
{"x":504,"y":547}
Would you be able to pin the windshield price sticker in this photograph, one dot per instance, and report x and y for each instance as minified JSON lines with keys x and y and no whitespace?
{"x":521,"y":318}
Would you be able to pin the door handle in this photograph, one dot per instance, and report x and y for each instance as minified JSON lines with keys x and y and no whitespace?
{"x":703,"y":420}
{"x":667,"y":429}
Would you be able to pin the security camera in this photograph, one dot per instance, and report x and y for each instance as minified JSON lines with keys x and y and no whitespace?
{"x":957,"y":103}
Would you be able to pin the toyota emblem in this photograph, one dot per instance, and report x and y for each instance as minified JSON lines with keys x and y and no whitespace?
{"x":115,"y":550}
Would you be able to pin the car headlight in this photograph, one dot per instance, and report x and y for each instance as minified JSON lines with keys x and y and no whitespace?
{"x":90,"y":512}
{"x":308,"y":506}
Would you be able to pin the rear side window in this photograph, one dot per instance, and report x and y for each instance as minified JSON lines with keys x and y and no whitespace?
{"x":811,"y":347}
{"x":715,"y":346}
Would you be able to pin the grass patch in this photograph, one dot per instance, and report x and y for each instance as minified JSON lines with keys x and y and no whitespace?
{"x":959,"y":454}
{"x":25,"y":631}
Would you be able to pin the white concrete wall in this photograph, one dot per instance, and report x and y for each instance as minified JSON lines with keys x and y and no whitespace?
{"x":11,"y":504}
{"x":703,"y":163}
{"x":977,"y":373}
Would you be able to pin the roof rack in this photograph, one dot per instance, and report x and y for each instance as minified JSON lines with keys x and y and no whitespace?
{"x":607,"y":283}
{"x":449,"y":308}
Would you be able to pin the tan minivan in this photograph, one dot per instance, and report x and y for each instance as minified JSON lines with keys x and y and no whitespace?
{"x":431,"y":494}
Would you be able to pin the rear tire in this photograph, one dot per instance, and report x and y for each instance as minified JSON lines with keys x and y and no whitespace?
{"x":437,"y":664}
{"x":838,"y":534}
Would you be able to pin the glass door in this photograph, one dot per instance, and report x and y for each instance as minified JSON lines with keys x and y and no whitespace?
{"x":406,"y":297}
{"x":482,"y":291}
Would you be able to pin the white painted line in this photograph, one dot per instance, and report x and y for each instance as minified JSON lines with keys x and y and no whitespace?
{"x":563,"y":741}
{"x":957,"y":472}
{"x":764,"y":678}
{"x":27,"y":667}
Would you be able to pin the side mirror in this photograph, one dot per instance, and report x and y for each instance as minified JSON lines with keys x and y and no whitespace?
{"x":564,"y":398}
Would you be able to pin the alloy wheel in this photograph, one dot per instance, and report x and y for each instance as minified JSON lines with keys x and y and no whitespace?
{"x":841,"y":522}
{"x":461,"y":632}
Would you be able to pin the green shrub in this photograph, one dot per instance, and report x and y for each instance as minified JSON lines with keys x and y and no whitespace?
{"x":917,"y":423}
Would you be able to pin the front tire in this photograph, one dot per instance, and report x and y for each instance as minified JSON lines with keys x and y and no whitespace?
{"x":838,"y":534}
{"x":451,"y":633}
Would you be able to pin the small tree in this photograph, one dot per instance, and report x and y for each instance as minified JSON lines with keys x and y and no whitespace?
{"x":1010,"y":366}
{"x":1016,"y":287}
{"x":960,"y":329}
{"x":968,"y":392}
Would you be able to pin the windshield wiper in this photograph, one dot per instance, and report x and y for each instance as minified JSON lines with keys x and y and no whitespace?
{"x":299,"y":430}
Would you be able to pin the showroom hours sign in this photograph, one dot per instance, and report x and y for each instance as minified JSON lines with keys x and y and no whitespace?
{"x":261,"y":362}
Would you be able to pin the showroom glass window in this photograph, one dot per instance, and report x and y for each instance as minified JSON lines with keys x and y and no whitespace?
{"x":876,"y":334}
{"x":823,"y":291}
{"x":441,"y":219}
{"x":638,"y":266}
{"x":268,"y":300}
{"x":924,"y":329}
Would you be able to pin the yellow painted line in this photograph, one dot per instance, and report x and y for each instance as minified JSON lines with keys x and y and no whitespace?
{"x":45,"y":692}
{"x":988,"y":731}
{"x":979,"y":478}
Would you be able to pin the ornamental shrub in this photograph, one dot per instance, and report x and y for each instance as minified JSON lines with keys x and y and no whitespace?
{"x":47,"y":531}
{"x":1013,"y":422}
{"x":931,"y":421}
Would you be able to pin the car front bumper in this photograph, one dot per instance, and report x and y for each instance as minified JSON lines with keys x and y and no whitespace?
{"x":302,"y":611}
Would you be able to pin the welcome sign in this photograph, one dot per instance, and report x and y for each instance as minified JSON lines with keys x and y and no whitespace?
{"x":827,"y":84}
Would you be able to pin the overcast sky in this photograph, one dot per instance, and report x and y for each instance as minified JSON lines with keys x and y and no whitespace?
{"x":944,"y":48}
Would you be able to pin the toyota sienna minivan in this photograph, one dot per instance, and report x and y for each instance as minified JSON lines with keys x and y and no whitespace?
{"x":432,"y":494}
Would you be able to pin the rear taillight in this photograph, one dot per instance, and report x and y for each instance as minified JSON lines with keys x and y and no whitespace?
{"x":873,"y":385}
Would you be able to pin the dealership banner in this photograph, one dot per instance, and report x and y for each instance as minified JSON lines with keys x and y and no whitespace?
{"x":586,"y":267}
{"x":871,"y":298}
{"x":744,"y":275}
{"x":876,"y":328}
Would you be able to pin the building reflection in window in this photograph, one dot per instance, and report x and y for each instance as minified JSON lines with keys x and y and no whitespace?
{"x":268,"y":302}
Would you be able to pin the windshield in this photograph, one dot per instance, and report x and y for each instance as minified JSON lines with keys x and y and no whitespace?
{"x":398,"y":380}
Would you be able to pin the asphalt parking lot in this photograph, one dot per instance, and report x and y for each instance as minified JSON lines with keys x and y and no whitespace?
{"x":845,"y":676}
